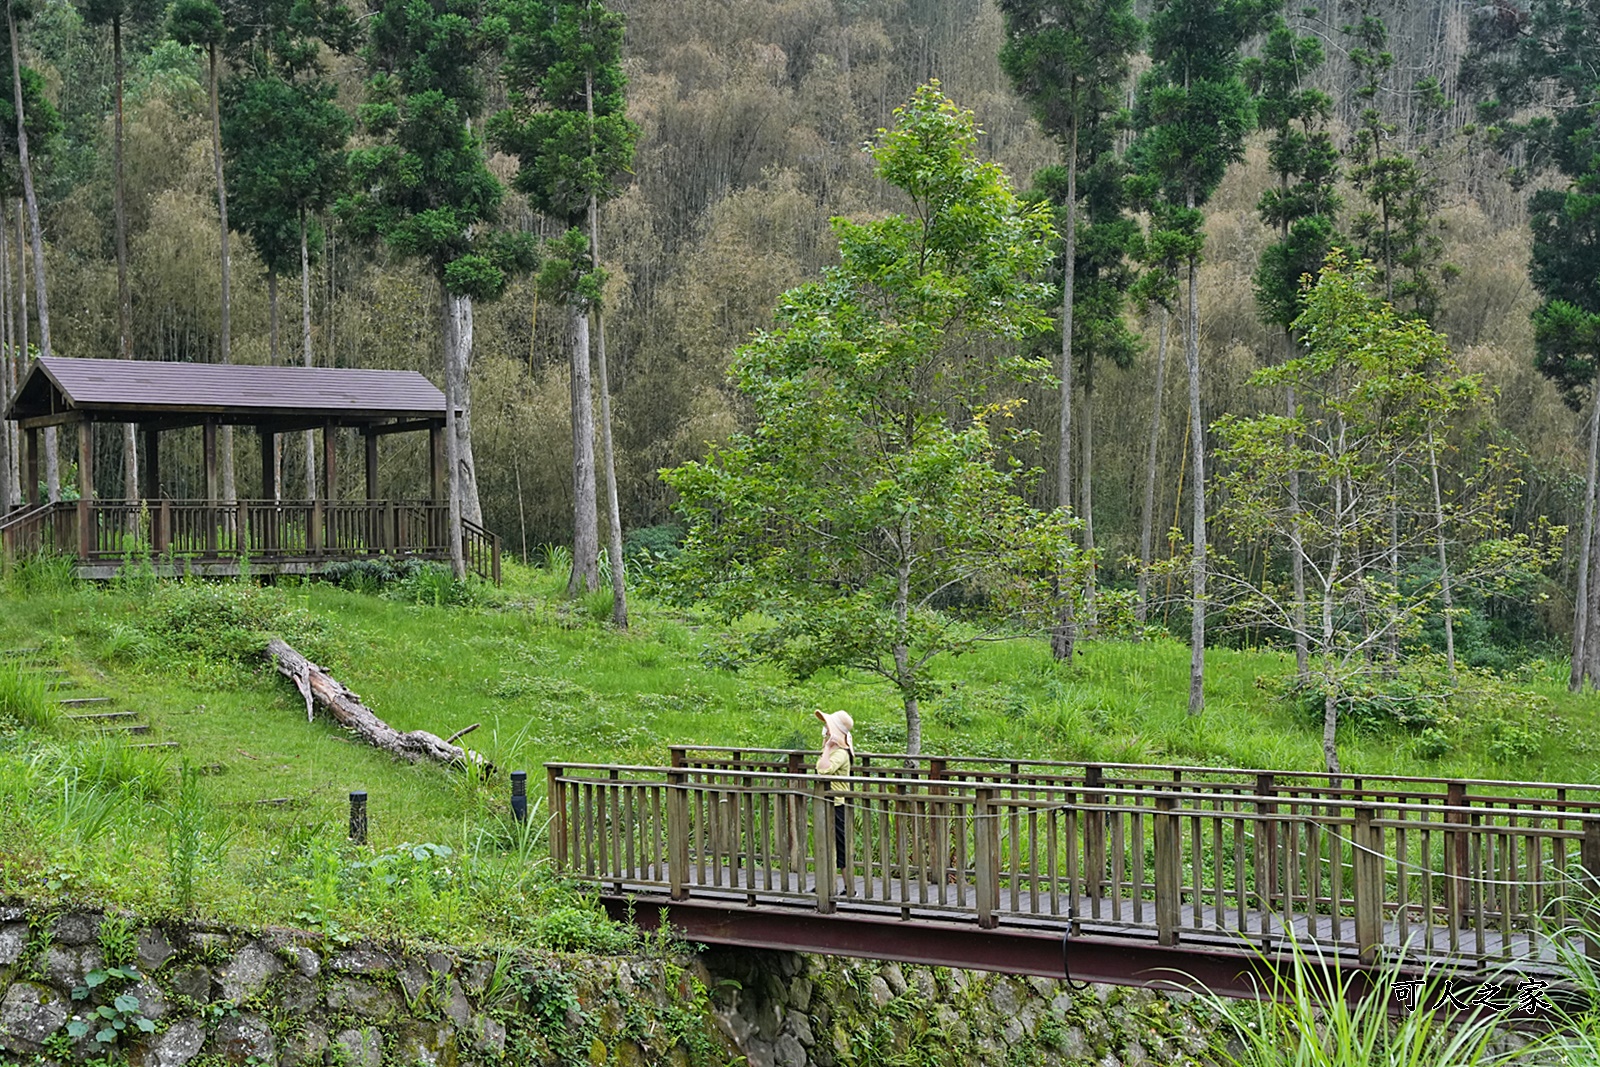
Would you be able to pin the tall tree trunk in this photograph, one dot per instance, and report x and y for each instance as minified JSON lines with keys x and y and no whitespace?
{"x":52,"y":453}
{"x":1065,"y":635}
{"x":619,"y":571}
{"x":1391,"y":640}
{"x":901,"y":649}
{"x":1591,"y":652}
{"x":274,"y":357}
{"x":1580,"y":613}
{"x":1330,"y":691}
{"x":130,"y":436}
{"x":305,"y":347}
{"x":1086,"y":478}
{"x":585,"y":517}
{"x":452,"y":458}
{"x":1297,"y":549}
{"x":1197,"y":626}
{"x":225,"y":351}
{"x":1147,"y":516}
{"x":461,"y":367}
{"x":12,"y":474}
{"x":9,"y":473}
{"x":1444,"y":561}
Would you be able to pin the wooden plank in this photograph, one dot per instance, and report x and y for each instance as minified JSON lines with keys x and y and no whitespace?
{"x":678,"y":834}
{"x":986,"y":831}
{"x":1094,"y":836}
{"x":1589,"y":860}
{"x":1368,"y":884}
{"x":822,"y":848}
{"x":1168,"y":869}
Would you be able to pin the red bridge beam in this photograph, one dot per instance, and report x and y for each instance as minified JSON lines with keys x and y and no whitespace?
{"x":1113,"y":961}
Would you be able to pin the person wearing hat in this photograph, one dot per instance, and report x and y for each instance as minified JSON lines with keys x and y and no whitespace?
{"x":838,"y":749}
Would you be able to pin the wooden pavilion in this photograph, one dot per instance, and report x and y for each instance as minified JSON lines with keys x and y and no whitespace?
{"x":214,"y":536}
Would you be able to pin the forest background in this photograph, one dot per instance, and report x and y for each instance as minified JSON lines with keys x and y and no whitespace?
{"x":752,"y":117}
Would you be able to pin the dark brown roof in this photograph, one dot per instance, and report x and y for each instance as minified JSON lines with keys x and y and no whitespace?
{"x":144,"y":391}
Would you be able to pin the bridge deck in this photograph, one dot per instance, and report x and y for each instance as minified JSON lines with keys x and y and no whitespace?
{"x":1472,"y":875}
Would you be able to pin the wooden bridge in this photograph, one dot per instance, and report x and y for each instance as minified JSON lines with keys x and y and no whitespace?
{"x":1116,"y":872}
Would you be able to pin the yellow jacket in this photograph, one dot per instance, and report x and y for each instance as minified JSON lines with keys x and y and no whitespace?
{"x":835,"y":763}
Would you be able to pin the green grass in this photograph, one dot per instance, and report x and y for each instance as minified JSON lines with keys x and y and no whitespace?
{"x":547,"y":679}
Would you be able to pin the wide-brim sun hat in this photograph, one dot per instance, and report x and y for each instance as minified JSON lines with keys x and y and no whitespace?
{"x":838,"y":725}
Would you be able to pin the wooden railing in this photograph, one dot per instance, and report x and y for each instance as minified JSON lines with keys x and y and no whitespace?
{"x":262,"y":530}
{"x":1138,"y":851}
{"x":42,"y":529}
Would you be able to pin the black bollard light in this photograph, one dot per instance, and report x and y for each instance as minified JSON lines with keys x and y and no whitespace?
{"x":358,"y":817}
{"x":519,"y":795}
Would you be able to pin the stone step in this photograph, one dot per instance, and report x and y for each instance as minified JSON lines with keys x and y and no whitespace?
{"x":83,"y":702}
{"x":105,"y":717}
{"x":155,"y":744}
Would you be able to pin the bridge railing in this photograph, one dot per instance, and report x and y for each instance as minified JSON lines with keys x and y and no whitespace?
{"x":1155,"y":858}
{"x":1574,"y":796}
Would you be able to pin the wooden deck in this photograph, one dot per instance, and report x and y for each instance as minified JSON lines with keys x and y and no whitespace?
{"x":265,"y":536}
{"x":1460,"y":874}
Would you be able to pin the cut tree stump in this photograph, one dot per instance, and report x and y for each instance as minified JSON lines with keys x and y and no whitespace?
{"x":321,"y":689}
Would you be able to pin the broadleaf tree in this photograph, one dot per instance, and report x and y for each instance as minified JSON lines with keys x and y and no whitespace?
{"x":1193,"y":111}
{"x":1069,"y":60}
{"x":1376,"y":390}
{"x":569,"y":129}
{"x":873,"y":518}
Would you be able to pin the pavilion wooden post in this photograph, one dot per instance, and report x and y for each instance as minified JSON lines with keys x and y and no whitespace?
{"x":375,"y":538}
{"x":212,"y":491}
{"x":86,"y":538}
{"x":30,"y":467}
{"x":269,"y":489}
{"x":330,"y":483}
{"x":436,"y":471}
{"x":152,"y":465}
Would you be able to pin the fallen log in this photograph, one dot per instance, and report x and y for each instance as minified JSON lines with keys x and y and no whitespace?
{"x":320,"y":688}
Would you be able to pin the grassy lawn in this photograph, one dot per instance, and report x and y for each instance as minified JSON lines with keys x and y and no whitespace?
{"x":547,"y":679}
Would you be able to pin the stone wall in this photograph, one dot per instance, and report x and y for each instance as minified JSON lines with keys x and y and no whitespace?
{"x":197,"y":996}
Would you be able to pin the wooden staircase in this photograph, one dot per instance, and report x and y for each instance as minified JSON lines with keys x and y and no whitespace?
{"x":85,"y":710}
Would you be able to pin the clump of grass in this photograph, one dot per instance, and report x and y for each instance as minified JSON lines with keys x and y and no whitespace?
{"x":1315,"y":1015}
{"x":186,"y":819}
{"x":110,"y":761}
{"x":43,"y":575}
{"x":25,"y":699}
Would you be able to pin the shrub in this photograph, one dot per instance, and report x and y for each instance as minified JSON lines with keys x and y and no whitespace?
{"x":371,"y":575}
{"x":230,"y":623}
{"x":432,"y":584}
